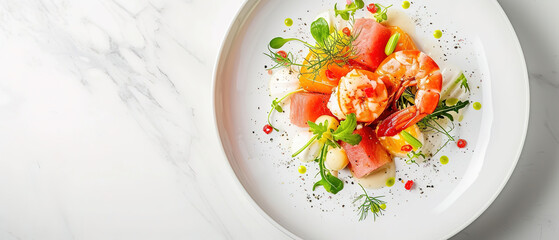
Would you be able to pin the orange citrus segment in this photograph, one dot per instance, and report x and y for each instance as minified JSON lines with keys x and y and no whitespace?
{"x":395,"y":143}
{"x":405,"y":42}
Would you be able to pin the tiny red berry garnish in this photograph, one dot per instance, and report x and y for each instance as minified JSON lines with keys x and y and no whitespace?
{"x":346,"y":31}
{"x":372,"y":8}
{"x":282,"y":53}
{"x":267,"y":129}
{"x":329,"y":74}
{"x":461,"y":143}
{"x":370,"y":92}
{"x":409,"y":185}
{"x":407,"y":148}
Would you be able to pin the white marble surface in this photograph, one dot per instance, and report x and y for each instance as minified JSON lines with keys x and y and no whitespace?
{"x":106,"y":127}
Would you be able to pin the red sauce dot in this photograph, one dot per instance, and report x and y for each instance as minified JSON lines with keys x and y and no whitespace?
{"x":461,"y":143}
{"x":283,"y":54}
{"x":329,"y":74}
{"x":346,"y":31}
{"x":409,"y":185}
{"x":267,"y":129}
{"x":407,"y":148}
{"x":372,"y":8}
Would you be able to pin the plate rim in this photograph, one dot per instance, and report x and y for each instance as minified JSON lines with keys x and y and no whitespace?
{"x":238,"y":21}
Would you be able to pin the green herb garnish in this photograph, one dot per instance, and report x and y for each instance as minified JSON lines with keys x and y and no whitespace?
{"x":443,"y":110}
{"x":406,"y":99}
{"x":463,"y":82}
{"x":330,"y":48}
{"x":331,"y":183}
{"x":343,"y":133}
{"x":329,"y":138}
{"x":370,"y":204}
{"x":282,"y":61}
{"x":381,"y":14}
{"x":413,"y":155}
{"x":320,"y":30}
{"x":349,"y":10}
{"x":276,"y":105}
{"x":278,"y":42}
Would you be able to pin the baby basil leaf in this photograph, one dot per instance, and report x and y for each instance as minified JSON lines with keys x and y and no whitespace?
{"x":359,"y":3}
{"x":320,"y":30}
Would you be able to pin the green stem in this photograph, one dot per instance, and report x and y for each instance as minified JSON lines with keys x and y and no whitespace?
{"x":269,"y":123}
{"x":323,"y":154}
{"x":279,"y":101}
{"x":304,"y":147}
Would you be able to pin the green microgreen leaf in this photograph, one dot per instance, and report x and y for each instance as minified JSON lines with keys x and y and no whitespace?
{"x":463,"y":82}
{"x":276,"y":105}
{"x":370,"y":204}
{"x":413,"y":155}
{"x":381,"y":14}
{"x":278,"y":42}
{"x":349,"y":10}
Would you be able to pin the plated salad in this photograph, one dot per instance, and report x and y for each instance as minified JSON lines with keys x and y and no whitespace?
{"x":363,"y":97}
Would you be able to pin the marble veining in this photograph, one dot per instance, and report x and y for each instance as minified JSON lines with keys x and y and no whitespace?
{"x":106,"y":128}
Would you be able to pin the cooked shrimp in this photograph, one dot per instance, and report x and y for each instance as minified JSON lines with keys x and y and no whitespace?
{"x":405,"y":69}
{"x":360,"y":92}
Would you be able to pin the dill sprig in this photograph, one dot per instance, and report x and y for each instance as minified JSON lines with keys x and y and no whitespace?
{"x":370,"y":204}
{"x":413,"y":155}
{"x":330,"y":48}
{"x":282,"y":61}
{"x":336,"y":49}
{"x":430,"y":124}
{"x":276,"y":105}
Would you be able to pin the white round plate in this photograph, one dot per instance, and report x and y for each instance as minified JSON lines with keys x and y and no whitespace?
{"x":446,"y":198}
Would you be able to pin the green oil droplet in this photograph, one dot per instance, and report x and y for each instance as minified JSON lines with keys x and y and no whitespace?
{"x":438,"y":34}
{"x":406,"y":5}
{"x":444,"y":160}
{"x":390,"y":182}
{"x":477,"y":105}
{"x":451,"y":101}
{"x":383,"y":206}
{"x":288,"y":22}
{"x":302,"y":169}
